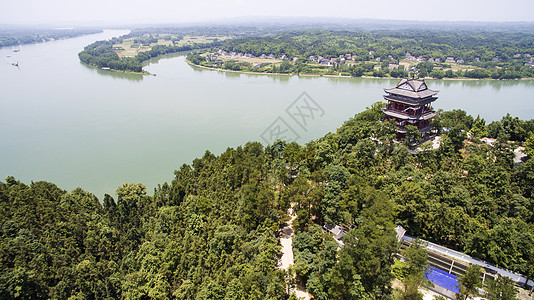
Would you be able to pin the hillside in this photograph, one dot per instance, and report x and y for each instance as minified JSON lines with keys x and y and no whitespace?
{"x":212,"y":232}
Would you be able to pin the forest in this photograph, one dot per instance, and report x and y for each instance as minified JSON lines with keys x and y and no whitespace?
{"x":482,"y":54}
{"x":13,"y":36}
{"x":212,"y":232}
{"x":376,"y":50}
{"x":101,"y":54}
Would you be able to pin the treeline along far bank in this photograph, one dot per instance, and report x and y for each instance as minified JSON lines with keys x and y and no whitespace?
{"x":467,"y":53}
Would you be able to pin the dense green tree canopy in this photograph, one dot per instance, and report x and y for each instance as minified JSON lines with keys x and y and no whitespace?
{"x":496,"y":54}
{"x":212,"y":232}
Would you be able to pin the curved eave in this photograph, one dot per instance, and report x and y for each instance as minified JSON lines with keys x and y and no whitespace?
{"x":403,"y":116}
{"x":412,"y":94}
{"x":410,"y":102}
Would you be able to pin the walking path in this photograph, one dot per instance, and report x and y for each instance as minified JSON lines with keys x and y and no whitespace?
{"x":286,"y":239}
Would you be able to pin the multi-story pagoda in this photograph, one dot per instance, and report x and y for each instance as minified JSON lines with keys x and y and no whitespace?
{"x":409,"y":104}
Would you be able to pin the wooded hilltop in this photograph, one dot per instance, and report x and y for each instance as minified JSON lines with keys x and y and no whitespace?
{"x":211,"y":233}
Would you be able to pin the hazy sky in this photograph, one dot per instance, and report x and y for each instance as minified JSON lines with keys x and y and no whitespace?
{"x":127,"y":11}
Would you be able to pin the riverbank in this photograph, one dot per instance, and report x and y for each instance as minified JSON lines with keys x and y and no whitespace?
{"x":19,"y":37}
{"x":184,"y":110}
{"x":339,"y":76}
{"x":144,"y":73}
{"x":241,"y":72}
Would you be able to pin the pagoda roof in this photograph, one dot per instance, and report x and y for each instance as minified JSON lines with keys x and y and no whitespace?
{"x":405,"y":116}
{"x":415,"y":84}
{"x":411,"y":94}
{"x":412,"y":88}
{"x":409,"y":101}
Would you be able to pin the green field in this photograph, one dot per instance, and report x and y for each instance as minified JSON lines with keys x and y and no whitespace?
{"x":131,"y":46}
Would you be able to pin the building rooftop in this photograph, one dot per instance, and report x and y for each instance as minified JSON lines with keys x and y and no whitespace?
{"x":400,"y":232}
{"x":443,"y":279}
{"x":337,"y":231}
{"x":409,"y":101}
{"x":519,"y":155}
{"x":406,"y":116}
{"x":412,"y":88}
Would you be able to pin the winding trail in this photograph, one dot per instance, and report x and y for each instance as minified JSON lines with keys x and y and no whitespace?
{"x":287,"y":260}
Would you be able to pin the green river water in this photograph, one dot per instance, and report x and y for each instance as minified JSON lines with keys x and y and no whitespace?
{"x":76,"y":126}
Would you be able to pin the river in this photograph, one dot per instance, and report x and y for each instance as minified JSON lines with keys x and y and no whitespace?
{"x":76,"y":126}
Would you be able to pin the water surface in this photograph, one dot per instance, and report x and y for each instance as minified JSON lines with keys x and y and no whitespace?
{"x":73,"y":125}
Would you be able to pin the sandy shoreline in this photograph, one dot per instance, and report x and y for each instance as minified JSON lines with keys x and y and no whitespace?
{"x":144,"y":73}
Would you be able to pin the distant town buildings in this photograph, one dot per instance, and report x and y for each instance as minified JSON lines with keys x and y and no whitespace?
{"x":347,"y":57}
{"x":409,"y":56}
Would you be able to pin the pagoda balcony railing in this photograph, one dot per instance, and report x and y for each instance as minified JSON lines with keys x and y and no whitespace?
{"x":409,"y":115}
{"x":411,"y":101}
{"x":424,"y":109}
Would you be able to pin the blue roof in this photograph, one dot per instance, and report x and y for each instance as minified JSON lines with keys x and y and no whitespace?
{"x":443,"y":279}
